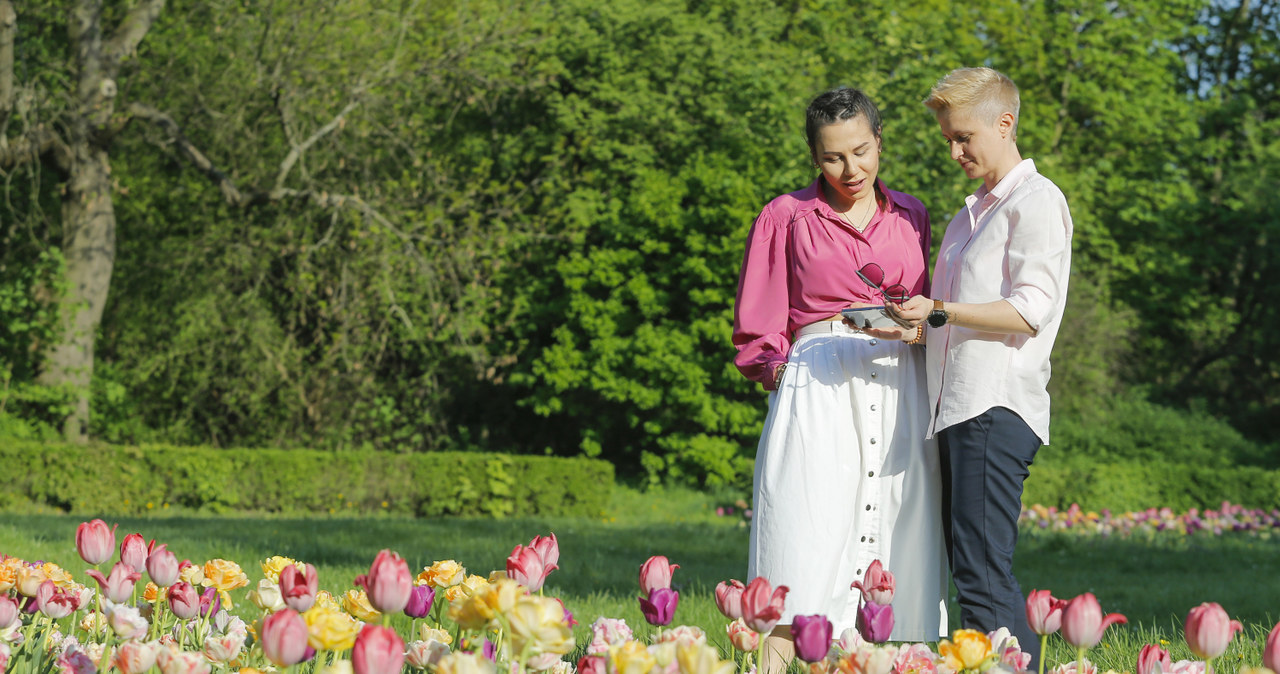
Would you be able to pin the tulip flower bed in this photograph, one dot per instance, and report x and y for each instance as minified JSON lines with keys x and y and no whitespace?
{"x":194,"y":618}
{"x":1229,"y":518}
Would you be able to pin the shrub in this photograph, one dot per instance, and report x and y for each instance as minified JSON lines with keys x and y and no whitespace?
{"x":1141,"y":485}
{"x":130,"y":479}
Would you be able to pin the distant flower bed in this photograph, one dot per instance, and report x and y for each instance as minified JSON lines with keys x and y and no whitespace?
{"x":1228,"y":518}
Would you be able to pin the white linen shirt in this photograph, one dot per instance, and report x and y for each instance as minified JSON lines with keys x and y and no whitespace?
{"x":1012,"y":243}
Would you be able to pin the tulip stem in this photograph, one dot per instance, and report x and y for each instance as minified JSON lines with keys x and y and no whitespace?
{"x":1044,"y":643}
{"x":1079,"y":660}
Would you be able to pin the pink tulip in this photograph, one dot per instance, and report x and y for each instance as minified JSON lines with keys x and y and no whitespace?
{"x":162,"y":566}
{"x":1044,"y":612}
{"x":1208,"y":630}
{"x":118,"y":586}
{"x":525,"y":567}
{"x":548,"y":548}
{"x":762,"y":604}
{"x":1271,"y":651}
{"x":592,"y":664}
{"x":74,"y":661}
{"x":298,"y":586}
{"x":378,"y":650}
{"x":1083,"y":622}
{"x":184,"y":601}
{"x":136,"y":657}
{"x":284,"y":637}
{"x":742,"y":637}
{"x":388,"y":582}
{"x":875,"y":622}
{"x":133,"y":552}
{"x":876,"y":585}
{"x":1153,"y":660}
{"x":812,"y":635}
{"x":729,"y":598}
{"x":55,"y":602}
{"x":9,"y":612}
{"x":656,"y":573}
{"x":5,"y":652}
{"x":95,"y":542}
{"x":174,"y":661}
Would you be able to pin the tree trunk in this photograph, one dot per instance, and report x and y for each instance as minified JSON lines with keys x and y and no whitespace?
{"x":89,"y":246}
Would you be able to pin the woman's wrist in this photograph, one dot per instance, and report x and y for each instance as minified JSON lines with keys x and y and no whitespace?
{"x":917,"y":337}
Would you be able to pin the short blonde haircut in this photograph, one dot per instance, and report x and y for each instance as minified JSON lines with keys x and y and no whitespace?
{"x":981,"y":92}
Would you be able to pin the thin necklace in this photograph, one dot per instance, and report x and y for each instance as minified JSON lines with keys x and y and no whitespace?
{"x":866,"y":217}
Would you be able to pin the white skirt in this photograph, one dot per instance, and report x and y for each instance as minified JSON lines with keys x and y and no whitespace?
{"x":844,"y":476}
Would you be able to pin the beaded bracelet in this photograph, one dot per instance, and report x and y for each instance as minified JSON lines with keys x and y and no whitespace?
{"x":919,"y":334}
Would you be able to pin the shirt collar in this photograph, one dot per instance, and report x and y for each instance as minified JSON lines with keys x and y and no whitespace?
{"x":812,"y":199}
{"x":1011,"y":180}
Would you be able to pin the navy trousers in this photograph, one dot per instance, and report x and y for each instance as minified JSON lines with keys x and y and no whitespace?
{"x":984,"y":463}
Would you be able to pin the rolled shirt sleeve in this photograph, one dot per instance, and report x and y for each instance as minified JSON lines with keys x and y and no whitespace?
{"x":1039,"y":254}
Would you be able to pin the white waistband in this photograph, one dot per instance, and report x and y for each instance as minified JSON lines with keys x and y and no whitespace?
{"x":826,"y":327}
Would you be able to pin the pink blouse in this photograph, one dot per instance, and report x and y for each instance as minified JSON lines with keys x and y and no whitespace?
{"x":800,"y":267}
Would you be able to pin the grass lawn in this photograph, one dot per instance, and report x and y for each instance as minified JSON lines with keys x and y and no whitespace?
{"x":1153,"y":583}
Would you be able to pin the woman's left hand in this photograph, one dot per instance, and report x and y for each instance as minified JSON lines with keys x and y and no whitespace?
{"x":904,"y":334}
{"x":912,"y":312}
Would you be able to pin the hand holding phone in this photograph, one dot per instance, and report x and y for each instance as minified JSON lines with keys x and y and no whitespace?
{"x":869,"y":317}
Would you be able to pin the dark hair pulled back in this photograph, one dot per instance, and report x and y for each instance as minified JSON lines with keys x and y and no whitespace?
{"x":838,"y":105}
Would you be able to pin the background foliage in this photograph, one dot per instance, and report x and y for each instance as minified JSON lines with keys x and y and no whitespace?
{"x":558,"y":194}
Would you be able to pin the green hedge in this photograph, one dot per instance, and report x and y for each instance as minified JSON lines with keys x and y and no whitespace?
{"x":1139,"y":485}
{"x":128,"y":479}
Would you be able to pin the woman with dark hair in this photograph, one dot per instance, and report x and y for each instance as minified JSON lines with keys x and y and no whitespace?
{"x":843,"y":475}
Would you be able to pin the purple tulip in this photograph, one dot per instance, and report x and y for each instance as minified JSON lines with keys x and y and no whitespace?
{"x":812,"y":634}
{"x":489,"y":650}
{"x":660,"y":607}
{"x":210,"y":602}
{"x":421,"y":597}
{"x":875,"y":622}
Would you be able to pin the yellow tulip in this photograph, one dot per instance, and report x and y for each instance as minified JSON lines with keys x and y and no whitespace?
{"x":695,"y":658}
{"x":465,"y":663}
{"x":9,"y":573}
{"x":969,"y":649}
{"x":60,"y":576}
{"x":336,"y":667}
{"x":329,"y":629}
{"x":193,"y":575}
{"x":223,"y":574}
{"x":356,"y":602}
{"x":28,"y":579}
{"x":325,"y":598}
{"x":631,"y":658}
{"x":429,"y":633}
{"x":442,"y":574}
{"x":272,"y":566}
{"x":538,"y":626}
{"x":468,"y":586}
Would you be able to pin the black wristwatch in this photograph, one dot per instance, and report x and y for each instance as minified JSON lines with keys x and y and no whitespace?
{"x":937,"y":317}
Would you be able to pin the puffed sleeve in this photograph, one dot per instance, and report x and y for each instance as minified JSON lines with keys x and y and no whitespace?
{"x":1039,"y":254}
{"x":762,"y":309}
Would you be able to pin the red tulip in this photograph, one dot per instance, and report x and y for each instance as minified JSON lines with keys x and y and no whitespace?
{"x":1044,"y":612}
{"x":284,"y":637}
{"x":95,"y":542}
{"x":1153,"y":660}
{"x":1083,"y":622}
{"x":184,"y":601}
{"x":378,"y":650}
{"x":656,"y":573}
{"x":812,"y":634}
{"x":133,"y":551}
{"x":877,"y":585}
{"x":55,"y":602}
{"x":1271,"y":651}
{"x":298,"y":586}
{"x":762,"y":604}
{"x":729,"y":598}
{"x":388,"y":582}
{"x":592,"y":664}
{"x":525,"y":567}
{"x":162,"y":566}
{"x":548,"y":548}
{"x":1208,"y":630}
{"x":118,"y":586}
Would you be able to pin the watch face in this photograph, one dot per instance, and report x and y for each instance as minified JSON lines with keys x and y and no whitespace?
{"x":937,"y":318}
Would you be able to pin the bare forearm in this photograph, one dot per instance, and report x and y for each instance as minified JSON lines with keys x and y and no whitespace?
{"x":998,"y":316}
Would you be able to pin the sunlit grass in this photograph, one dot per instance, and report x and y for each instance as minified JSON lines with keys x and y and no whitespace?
{"x":1153,"y":583}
